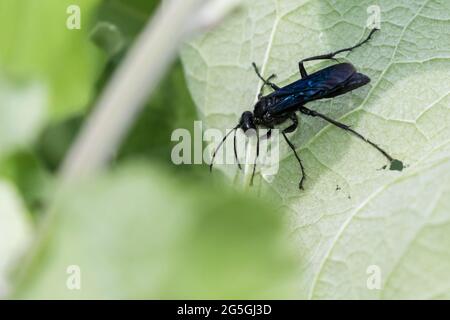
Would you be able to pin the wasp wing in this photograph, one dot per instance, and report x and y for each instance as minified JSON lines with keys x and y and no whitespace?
{"x":325,"y":83}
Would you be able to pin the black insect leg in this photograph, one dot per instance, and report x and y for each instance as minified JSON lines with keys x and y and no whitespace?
{"x":289,"y":129}
{"x":256,"y":157}
{"x":331,"y":55}
{"x":235,"y":150}
{"x":268,"y":135}
{"x":266,"y":82}
{"x":345,"y":127}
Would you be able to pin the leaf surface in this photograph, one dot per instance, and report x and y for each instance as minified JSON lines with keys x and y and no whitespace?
{"x":352,"y":215}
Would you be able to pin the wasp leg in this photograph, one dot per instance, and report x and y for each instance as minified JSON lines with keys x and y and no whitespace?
{"x":266,"y":82}
{"x":290,"y":129}
{"x":345,"y":127}
{"x":256,"y":158}
{"x":331,"y":55}
{"x":235,"y":150}
{"x":268,"y":135}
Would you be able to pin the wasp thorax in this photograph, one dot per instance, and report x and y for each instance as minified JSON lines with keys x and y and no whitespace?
{"x":260,"y":108}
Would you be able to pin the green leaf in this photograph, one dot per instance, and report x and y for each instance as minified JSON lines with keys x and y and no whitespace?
{"x":119,"y":22}
{"x":170,"y":107}
{"x":139,"y":233}
{"x":129,"y":16}
{"x":15,"y":232}
{"x":22,"y":113}
{"x":351,"y":215}
{"x":36,"y":44}
{"x":30,"y":177}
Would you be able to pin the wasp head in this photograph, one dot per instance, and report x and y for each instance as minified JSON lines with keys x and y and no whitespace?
{"x":247,"y":121}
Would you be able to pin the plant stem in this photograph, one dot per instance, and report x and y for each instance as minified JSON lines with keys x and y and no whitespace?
{"x":129,"y":88}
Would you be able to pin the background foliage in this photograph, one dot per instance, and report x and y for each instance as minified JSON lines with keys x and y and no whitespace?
{"x":148,"y":229}
{"x":145,"y":228}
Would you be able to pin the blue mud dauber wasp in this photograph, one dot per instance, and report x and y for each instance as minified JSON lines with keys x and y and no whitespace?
{"x":283,"y":103}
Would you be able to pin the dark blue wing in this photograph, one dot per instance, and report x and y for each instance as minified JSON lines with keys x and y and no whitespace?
{"x":321,"y":84}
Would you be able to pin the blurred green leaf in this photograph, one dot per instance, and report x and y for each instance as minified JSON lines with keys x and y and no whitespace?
{"x":30,"y":177}
{"x":36,"y":44}
{"x":56,"y":140}
{"x":140,"y":233}
{"x":15,"y":232}
{"x":170,"y":108}
{"x":128,"y":16}
{"x":22,"y":114}
{"x":351,"y":215}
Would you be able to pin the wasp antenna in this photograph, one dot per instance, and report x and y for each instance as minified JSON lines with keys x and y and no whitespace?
{"x":372,"y":32}
{"x":219,"y":146}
